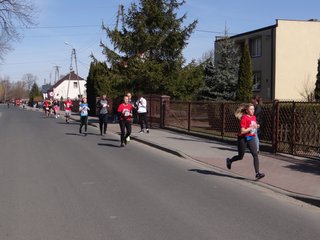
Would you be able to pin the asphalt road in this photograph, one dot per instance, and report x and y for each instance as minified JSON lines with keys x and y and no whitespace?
{"x":56,"y":184}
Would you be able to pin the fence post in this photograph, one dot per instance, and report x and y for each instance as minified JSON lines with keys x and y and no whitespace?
{"x":223,"y":120}
{"x":149,"y":111}
{"x":163,"y":109}
{"x":293,"y":129}
{"x":275,"y":125}
{"x":189,"y":116}
{"x":163,"y":114}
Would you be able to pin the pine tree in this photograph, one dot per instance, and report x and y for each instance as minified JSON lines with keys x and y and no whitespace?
{"x":34,"y":94}
{"x":245,"y":82}
{"x":190,"y":80}
{"x":92,"y":88}
{"x":100,"y":81}
{"x":147,"y":55}
{"x":317,"y":89}
{"x":221,"y":77}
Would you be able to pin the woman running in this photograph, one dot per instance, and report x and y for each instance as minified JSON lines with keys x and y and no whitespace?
{"x":56,"y":108}
{"x":125,"y":113}
{"x":67,"y":109}
{"x":83,"y":109}
{"x":102,"y":106}
{"x":246,"y":137}
{"x":46,"y":108}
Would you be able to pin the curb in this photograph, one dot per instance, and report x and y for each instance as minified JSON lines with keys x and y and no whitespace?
{"x":165,"y":149}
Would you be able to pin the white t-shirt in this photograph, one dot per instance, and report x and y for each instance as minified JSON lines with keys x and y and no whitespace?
{"x":142,"y":105}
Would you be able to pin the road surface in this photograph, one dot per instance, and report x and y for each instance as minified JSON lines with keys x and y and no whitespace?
{"x":57,"y":184}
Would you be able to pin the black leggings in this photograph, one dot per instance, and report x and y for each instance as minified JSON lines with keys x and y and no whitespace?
{"x":103,"y":122}
{"x":125,"y":125}
{"x":252,"y":145}
{"x":143,"y":120}
{"x":83,"y":121}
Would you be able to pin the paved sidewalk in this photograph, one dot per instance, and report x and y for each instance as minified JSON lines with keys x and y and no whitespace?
{"x":296,"y":177}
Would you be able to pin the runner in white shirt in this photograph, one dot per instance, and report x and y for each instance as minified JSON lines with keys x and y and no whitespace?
{"x":142,"y":113}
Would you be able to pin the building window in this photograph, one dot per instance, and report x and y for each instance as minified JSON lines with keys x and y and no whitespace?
{"x":75,"y":85}
{"x":256,"y":81}
{"x":255,"y":47}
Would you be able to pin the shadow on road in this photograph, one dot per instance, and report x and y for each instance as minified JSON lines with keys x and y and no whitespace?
{"x":93,"y":134}
{"x":73,"y":134}
{"x":109,"y":139}
{"x":45,"y":117}
{"x":226,"y":149}
{"x":70,"y":123}
{"x":108,"y":145}
{"x":314,"y":202}
{"x":207,"y":172}
{"x":82,"y":134}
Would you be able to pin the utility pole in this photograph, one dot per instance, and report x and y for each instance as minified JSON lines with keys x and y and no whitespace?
{"x":56,"y":73}
{"x":73,"y":57}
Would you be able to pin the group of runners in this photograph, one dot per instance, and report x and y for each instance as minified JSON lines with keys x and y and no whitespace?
{"x":125,"y":112}
{"x":248,"y":115}
{"x":51,"y":106}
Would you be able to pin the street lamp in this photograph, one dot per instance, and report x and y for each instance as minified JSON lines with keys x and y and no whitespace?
{"x":73,"y":56}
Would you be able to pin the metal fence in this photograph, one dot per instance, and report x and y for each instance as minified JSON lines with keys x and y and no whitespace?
{"x":298,"y":128}
{"x":288,"y":127}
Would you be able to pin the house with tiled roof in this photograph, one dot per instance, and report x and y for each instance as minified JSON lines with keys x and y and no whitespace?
{"x":71,"y":85}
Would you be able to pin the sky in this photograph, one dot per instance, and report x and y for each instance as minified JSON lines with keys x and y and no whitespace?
{"x":78,"y":22}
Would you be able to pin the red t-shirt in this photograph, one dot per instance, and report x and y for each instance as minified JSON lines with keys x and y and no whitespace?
{"x":68,"y":105}
{"x":245,"y":122}
{"x":124,"y":110}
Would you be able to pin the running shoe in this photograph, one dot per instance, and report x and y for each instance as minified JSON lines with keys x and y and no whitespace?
{"x":228,"y":161}
{"x":259,"y":175}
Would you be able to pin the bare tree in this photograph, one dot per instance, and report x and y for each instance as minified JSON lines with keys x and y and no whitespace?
{"x":5,"y":86}
{"x":307,"y":90}
{"x":19,"y":90}
{"x":4,"y":45}
{"x":14,"y":14}
{"x":207,"y":56}
{"x":29,"y":79}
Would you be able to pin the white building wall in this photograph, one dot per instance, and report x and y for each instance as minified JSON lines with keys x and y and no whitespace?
{"x":297,"y":53}
{"x":62,"y":89}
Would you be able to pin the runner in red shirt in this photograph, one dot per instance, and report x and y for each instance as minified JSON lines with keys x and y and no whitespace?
{"x":246,"y":137}
{"x":46,"y":107}
{"x":67,"y":109}
{"x":125,"y":113}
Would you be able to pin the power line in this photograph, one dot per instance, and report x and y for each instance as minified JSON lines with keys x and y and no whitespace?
{"x":63,"y":35}
{"x":71,"y":26}
{"x":110,"y":25}
{"x":207,"y":31}
{"x":215,"y":32}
